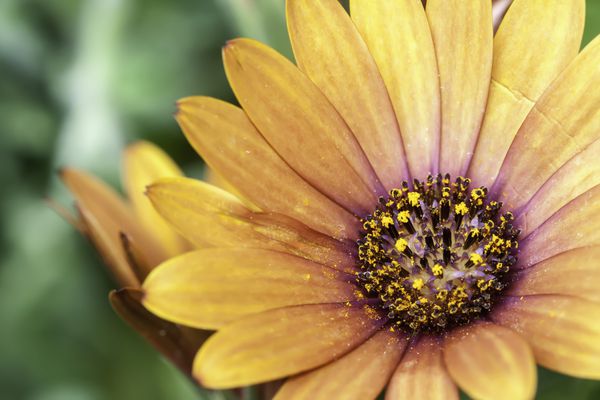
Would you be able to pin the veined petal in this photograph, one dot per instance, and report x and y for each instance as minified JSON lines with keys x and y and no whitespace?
{"x":521,"y":72}
{"x":210,"y":287}
{"x":231,"y":145}
{"x":573,"y":226}
{"x":144,"y":163}
{"x":489,"y":361}
{"x":106,"y":216}
{"x":282,"y":342}
{"x":329,"y":49}
{"x":463,"y":38}
{"x":210,"y":217}
{"x":301,"y":124}
{"x":578,"y":175}
{"x":422,"y":375}
{"x":398,"y":37}
{"x":216,"y":179}
{"x":563,"y":331}
{"x":563,"y":122}
{"x":178,"y":344}
{"x":575,"y":272}
{"x":360,"y":374}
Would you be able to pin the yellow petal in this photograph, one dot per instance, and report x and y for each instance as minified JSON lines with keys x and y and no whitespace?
{"x":360,"y":374}
{"x":231,"y":145}
{"x":329,"y":49}
{"x":106,"y":216}
{"x":301,"y":124}
{"x":216,"y":179}
{"x":563,"y":331}
{"x":210,"y":217}
{"x":575,"y":272}
{"x":398,"y":36}
{"x":177,"y":343}
{"x":143,"y":163}
{"x":522,"y":71}
{"x":578,"y":175}
{"x":422,"y":374}
{"x":462,"y":35}
{"x":489,"y":361}
{"x":573,"y":226}
{"x":562,"y":124}
{"x":209,"y":287}
{"x":281,"y":342}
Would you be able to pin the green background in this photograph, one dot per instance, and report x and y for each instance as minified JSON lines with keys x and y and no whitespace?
{"x":79,"y":80}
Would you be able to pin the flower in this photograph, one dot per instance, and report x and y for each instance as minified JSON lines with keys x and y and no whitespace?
{"x":132,"y":239}
{"x":414,"y":205}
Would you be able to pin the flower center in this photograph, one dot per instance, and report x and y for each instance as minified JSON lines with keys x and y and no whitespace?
{"x":437,"y":255}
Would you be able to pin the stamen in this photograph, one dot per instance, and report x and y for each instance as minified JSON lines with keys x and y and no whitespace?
{"x":436,"y":256}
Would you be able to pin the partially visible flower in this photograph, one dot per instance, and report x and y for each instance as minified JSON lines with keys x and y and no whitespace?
{"x":347,"y":260}
{"x":133,"y":239}
{"x":499,"y":8}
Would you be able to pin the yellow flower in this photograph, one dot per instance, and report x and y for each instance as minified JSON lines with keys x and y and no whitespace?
{"x":384,"y":113}
{"x":132,"y":239}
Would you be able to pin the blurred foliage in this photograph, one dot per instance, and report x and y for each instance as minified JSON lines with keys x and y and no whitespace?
{"x":81,"y":78}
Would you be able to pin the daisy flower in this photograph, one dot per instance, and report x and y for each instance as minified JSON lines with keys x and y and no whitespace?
{"x":133,"y":239}
{"x":412,"y":206}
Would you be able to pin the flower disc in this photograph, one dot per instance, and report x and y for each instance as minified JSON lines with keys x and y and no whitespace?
{"x":436,"y":255}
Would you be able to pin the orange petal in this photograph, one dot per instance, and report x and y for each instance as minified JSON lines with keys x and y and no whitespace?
{"x":209,"y":287}
{"x":214,"y":178}
{"x":562,"y":124}
{"x":329,"y":49}
{"x":135,"y":257}
{"x":575,"y":272}
{"x":178,"y":344}
{"x":522,"y":71}
{"x":301,"y":124}
{"x":573,"y":226}
{"x":462,"y":35}
{"x":398,"y":36}
{"x":105,"y":216}
{"x":563,"y":331}
{"x":360,"y":374}
{"x":422,"y":374}
{"x":230,"y":144}
{"x":489,"y":361}
{"x":578,"y":175}
{"x":281,"y":342}
{"x":143,"y":163}
{"x":209,"y":216}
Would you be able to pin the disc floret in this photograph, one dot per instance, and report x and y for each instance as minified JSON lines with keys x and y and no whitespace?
{"x":436,"y":255}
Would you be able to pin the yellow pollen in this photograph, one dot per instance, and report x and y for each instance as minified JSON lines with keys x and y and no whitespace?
{"x":418,"y":284}
{"x":434,"y":255}
{"x":442,"y":294}
{"x":387,"y":221}
{"x":461,"y":208}
{"x":413,"y":198}
{"x":476,"y":258}
{"x":476,"y":193}
{"x":403,"y":216}
{"x":401,"y":244}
